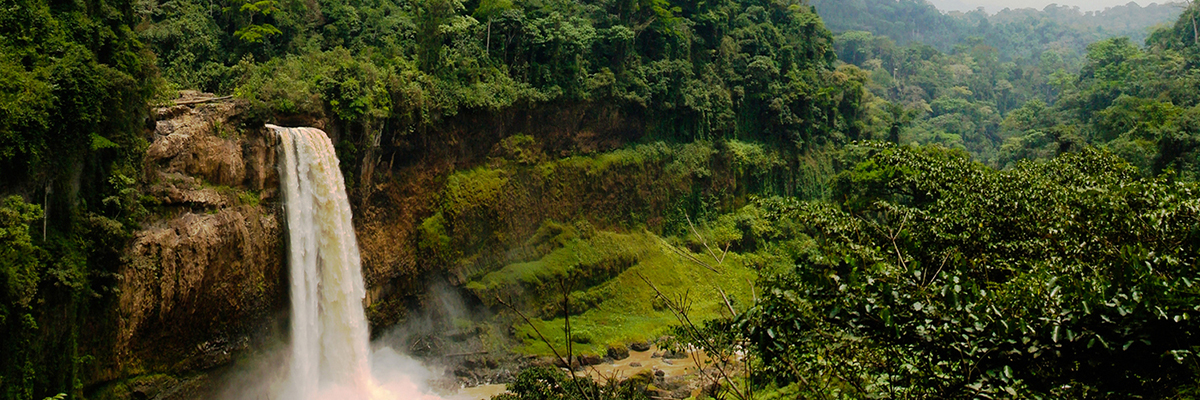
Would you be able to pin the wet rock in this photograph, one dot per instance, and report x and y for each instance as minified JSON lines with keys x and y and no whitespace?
{"x":544,"y":362}
{"x":166,"y":113}
{"x":504,"y":376}
{"x":150,"y":387}
{"x":197,"y":278}
{"x":560,"y":363}
{"x":643,"y":377}
{"x":204,"y":198}
{"x":200,"y":143}
{"x":590,"y":359}
{"x":640,"y":346}
{"x":674,"y":355}
{"x":635,"y":364}
{"x":656,"y":393}
{"x":618,"y":353}
{"x":473,"y":363}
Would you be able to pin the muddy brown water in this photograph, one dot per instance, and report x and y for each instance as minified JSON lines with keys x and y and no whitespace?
{"x":620,"y":369}
{"x":482,"y":392}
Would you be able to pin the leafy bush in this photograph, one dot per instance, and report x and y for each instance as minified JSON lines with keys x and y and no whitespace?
{"x":939,"y":277}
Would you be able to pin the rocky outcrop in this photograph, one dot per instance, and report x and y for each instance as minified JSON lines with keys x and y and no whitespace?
{"x":199,"y":279}
{"x":206,"y":272}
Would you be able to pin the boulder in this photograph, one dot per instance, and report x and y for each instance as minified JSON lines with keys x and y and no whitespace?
{"x":618,"y":353}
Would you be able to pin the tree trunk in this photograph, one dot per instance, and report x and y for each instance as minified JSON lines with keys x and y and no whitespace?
{"x":1195,"y":32}
{"x":46,"y":209}
{"x":371,"y":138}
{"x":1193,"y":10}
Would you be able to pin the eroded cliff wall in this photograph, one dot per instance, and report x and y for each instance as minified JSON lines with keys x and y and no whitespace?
{"x":204,"y":278}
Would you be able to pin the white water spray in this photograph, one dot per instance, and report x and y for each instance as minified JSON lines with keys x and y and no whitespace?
{"x":330,"y":354}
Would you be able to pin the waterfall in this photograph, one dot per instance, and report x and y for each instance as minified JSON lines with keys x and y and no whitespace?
{"x":331,"y":357}
{"x":329,"y":350}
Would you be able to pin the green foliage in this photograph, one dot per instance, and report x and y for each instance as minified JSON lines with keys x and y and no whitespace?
{"x":492,"y":8}
{"x":1137,"y":103}
{"x":25,"y":106}
{"x":79,"y":92}
{"x":473,"y":189}
{"x":496,"y":227}
{"x":940,"y":277}
{"x":434,"y":238}
{"x":21,"y":259}
{"x":23,"y":270}
{"x":1184,"y":37}
{"x":589,"y":261}
{"x":732,"y":68}
{"x":996,"y":63}
{"x":256,"y":33}
{"x":610,"y":304}
{"x":74,"y":85}
{"x":187,"y":44}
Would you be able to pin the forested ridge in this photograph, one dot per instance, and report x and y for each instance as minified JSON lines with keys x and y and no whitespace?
{"x":1023,"y":83}
{"x":931,"y":205}
{"x":1016,"y":32}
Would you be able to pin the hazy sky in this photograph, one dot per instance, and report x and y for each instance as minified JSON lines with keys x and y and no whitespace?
{"x":997,"y":5}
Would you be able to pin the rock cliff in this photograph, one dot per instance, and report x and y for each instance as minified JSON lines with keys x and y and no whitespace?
{"x":205,"y":275}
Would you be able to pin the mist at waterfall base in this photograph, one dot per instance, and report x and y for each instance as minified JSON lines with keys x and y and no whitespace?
{"x":328,"y":356}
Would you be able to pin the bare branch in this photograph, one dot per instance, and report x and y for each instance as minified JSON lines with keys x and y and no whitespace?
{"x":753,"y":295}
{"x":705,"y":242}
{"x":200,"y":101}
{"x":535,"y":330}
{"x":472,"y":353}
{"x":689,"y":256}
{"x":680,"y":311}
{"x":935,"y":273}
{"x":727,"y":303}
{"x":548,"y":344}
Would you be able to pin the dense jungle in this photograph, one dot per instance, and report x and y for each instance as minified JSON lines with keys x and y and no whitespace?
{"x":787,"y":198}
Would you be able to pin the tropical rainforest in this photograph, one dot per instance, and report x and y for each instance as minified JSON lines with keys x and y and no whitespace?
{"x":830,"y":199}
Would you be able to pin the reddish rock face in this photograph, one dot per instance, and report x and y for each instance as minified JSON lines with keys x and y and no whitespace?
{"x":206,"y":272}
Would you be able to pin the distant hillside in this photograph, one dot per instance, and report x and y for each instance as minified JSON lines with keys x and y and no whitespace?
{"x":1019,"y":33}
{"x":904,"y":21}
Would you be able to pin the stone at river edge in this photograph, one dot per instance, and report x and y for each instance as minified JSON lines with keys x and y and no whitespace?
{"x":618,"y":353}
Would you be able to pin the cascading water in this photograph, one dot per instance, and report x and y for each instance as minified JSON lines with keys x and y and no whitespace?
{"x":330,"y":353}
{"x":329,"y":328}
